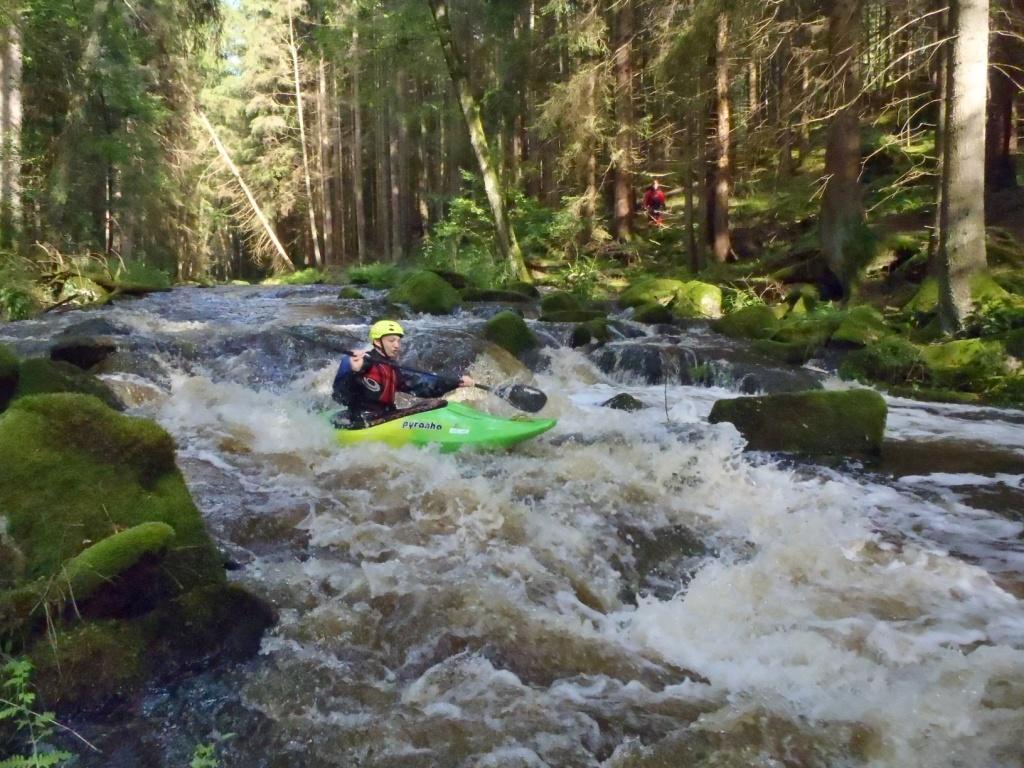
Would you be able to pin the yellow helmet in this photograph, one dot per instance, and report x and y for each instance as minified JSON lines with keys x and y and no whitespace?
{"x":385,"y":328}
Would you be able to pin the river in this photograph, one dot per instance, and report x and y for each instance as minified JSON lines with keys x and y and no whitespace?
{"x":630,"y":590}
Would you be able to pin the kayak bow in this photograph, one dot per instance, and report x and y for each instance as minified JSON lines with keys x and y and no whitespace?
{"x":452,"y":426}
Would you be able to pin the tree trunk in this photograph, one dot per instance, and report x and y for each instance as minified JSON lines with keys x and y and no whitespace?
{"x":326,"y":170}
{"x":357,"y":153}
{"x":1000,"y":166}
{"x":622,"y":221}
{"x":720,"y":241}
{"x":338,"y":156}
{"x":842,"y":214}
{"x":962,"y":237}
{"x":310,"y":203}
{"x":382,"y":171}
{"x":941,"y":65}
{"x":260,"y":216}
{"x":471,"y":113}
{"x":10,"y":133}
{"x":399,"y":182}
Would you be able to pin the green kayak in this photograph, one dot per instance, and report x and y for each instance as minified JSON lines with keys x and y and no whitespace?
{"x":451,"y":425}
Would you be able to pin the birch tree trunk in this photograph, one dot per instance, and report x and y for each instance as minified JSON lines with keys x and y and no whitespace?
{"x":471,"y":113}
{"x":10,"y":133}
{"x":962,"y":235}
{"x":842,"y":214}
{"x":310,"y":203}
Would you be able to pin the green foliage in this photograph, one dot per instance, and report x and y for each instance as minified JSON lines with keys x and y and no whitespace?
{"x":141,"y":274}
{"x":18,"y":292}
{"x":204,"y":756}
{"x":376,"y":275}
{"x":308,"y":276}
{"x":997,"y":315}
{"x":893,"y":360}
{"x":23,"y":731}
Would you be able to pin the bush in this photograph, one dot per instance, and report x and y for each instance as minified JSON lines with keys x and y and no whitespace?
{"x":376,"y":275}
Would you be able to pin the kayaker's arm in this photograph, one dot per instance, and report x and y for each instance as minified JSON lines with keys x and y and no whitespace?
{"x":426,"y":385}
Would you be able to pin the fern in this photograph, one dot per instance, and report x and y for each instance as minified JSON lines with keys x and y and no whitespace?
{"x":30,"y":729}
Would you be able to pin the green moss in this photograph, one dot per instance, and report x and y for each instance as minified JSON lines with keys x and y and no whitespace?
{"x":376,"y":276}
{"x":793,"y":353}
{"x":350,"y":292}
{"x":9,"y":372}
{"x":891,"y":360}
{"x":651,"y":290}
{"x":509,"y":331}
{"x":572,"y":316}
{"x":696,"y":299}
{"x":40,"y":376}
{"x":104,"y":561}
{"x":72,"y":472}
{"x":964,"y":364}
{"x":652,"y":314}
{"x":1013,"y":342}
{"x":812,"y":330}
{"x":932,"y":395}
{"x":1003,"y":248}
{"x":489,"y":294}
{"x":1011,"y":280}
{"x":820,"y":423}
{"x":861,"y":326}
{"x":426,"y":292}
{"x":527,"y":289}
{"x":92,"y":666}
{"x":559,"y":301}
{"x":754,"y":322}
{"x":926,"y":300}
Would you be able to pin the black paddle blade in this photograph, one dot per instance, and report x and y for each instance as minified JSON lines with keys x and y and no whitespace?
{"x":524,"y":398}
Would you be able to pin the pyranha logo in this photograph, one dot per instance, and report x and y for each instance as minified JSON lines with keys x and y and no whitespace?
{"x":420,"y":425}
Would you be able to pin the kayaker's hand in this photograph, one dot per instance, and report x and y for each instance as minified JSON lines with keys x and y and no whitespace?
{"x":357,"y":361}
{"x":467,"y":381}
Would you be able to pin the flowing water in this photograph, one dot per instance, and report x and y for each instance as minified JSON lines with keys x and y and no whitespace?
{"x":629,"y":590}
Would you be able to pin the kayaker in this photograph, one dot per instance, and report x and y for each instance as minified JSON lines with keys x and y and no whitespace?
{"x":367,"y":384}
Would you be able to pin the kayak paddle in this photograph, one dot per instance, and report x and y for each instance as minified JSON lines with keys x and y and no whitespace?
{"x":529,"y":399}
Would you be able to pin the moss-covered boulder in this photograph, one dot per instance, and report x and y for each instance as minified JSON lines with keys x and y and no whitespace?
{"x":891,"y":360}
{"x":964,"y":364}
{"x":754,"y":322}
{"x":559,"y":301}
{"x":847,"y":423}
{"x":73,"y":472}
{"x":696,"y":300}
{"x":350,"y":292}
{"x":494,"y":294}
{"x":812,"y":330}
{"x":456,"y":280}
{"x":925,"y":302}
{"x":9,"y":371}
{"x":82,"y":290}
{"x":510,"y":332}
{"x":104,"y":523}
{"x":592,"y":330}
{"x":653,"y":314}
{"x":527,"y":289}
{"x":38,"y":376}
{"x":651,"y":290}
{"x":426,"y":292}
{"x":861,"y":326}
{"x":791,"y":353}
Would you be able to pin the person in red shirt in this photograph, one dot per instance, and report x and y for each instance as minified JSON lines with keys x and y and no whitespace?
{"x":654,"y":203}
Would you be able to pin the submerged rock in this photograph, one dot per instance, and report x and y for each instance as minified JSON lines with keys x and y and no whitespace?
{"x":832,"y":423}
{"x":624,"y":402}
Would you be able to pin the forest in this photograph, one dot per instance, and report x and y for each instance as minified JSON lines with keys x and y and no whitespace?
{"x":849,"y":150}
